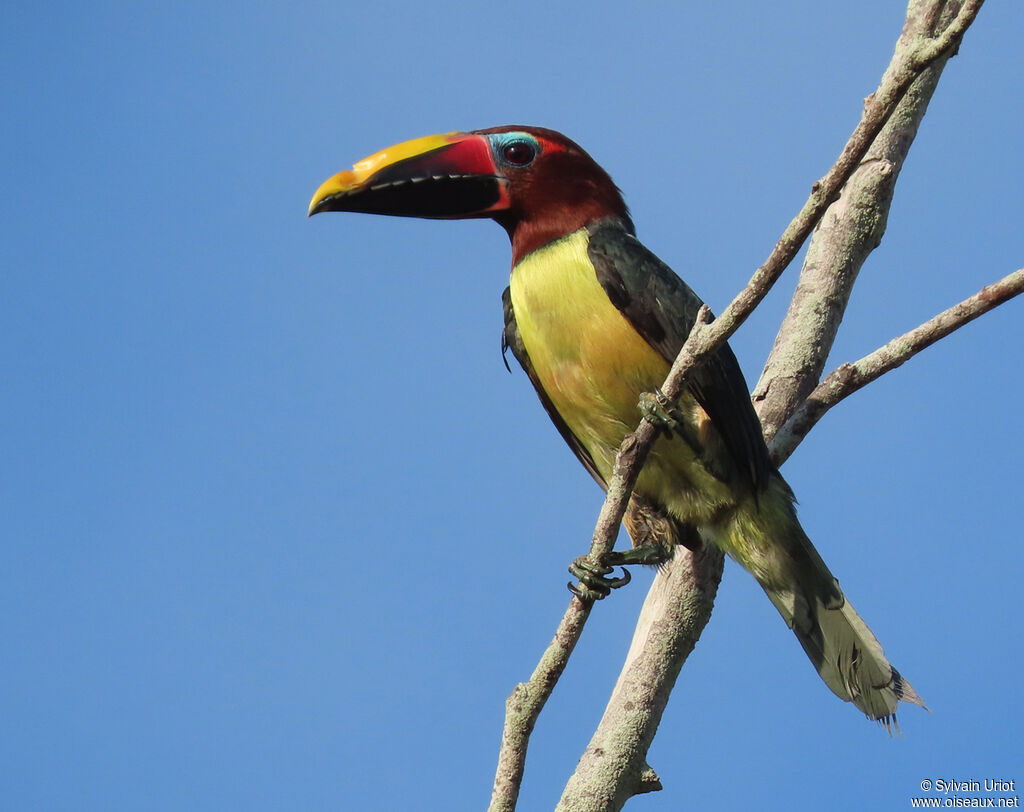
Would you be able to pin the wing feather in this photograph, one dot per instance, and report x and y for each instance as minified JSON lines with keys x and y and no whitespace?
{"x":663,"y":309}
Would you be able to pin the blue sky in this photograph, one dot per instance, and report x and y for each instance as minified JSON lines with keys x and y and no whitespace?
{"x":280,"y":531}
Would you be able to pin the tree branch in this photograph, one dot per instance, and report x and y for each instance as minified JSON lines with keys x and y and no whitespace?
{"x":675,"y":585}
{"x":850,"y":230}
{"x":707,"y":336}
{"x":848,"y":378}
{"x":674,"y":615}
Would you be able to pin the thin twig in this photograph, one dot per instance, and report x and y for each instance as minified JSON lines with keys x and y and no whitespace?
{"x":848,"y":378}
{"x":521,"y":708}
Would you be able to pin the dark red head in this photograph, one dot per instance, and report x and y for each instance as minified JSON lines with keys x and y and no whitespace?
{"x":536,"y":183}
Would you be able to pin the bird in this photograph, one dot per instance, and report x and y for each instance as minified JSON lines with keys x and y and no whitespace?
{"x":595,"y":319}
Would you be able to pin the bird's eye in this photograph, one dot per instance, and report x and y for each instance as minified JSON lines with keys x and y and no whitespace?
{"x":519,"y":153}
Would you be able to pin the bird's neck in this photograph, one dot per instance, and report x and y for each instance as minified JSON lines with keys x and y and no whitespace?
{"x":530,"y":233}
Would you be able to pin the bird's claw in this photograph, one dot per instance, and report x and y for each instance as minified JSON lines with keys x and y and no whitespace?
{"x":666,"y":416}
{"x":594,"y":582}
{"x":658,"y":409}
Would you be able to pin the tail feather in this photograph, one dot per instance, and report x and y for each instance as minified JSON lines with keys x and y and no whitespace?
{"x":767,"y":540}
{"x":848,"y":657}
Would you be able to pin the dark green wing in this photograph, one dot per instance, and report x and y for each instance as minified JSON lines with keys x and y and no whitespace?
{"x":511,"y":340}
{"x":663,"y":309}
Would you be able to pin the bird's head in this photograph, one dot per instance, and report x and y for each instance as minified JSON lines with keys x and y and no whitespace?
{"x":535,"y":182}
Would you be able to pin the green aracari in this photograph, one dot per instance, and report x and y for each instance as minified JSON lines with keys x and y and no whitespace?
{"x":595,"y":320}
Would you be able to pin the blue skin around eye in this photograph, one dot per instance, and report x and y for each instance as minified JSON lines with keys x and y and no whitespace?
{"x":501,"y":140}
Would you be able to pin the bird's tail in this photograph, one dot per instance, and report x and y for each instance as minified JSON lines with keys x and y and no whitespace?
{"x":767,"y":540}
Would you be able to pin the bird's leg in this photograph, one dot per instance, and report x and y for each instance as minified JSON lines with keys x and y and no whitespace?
{"x":655,"y":536}
{"x":667,"y":416}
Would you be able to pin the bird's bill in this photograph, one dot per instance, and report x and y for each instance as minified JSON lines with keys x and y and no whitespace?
{"x":442,"y":176}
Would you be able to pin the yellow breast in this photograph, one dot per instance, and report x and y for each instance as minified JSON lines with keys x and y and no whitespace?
{"x":593,"y":365}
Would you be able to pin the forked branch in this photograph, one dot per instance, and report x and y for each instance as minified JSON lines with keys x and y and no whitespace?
{"x":848,"y":378}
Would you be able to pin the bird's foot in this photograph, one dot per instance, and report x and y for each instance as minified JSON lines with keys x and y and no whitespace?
{"x":662,"y":411}
{"x":594,"y":581}
{"x":658,"y":409}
